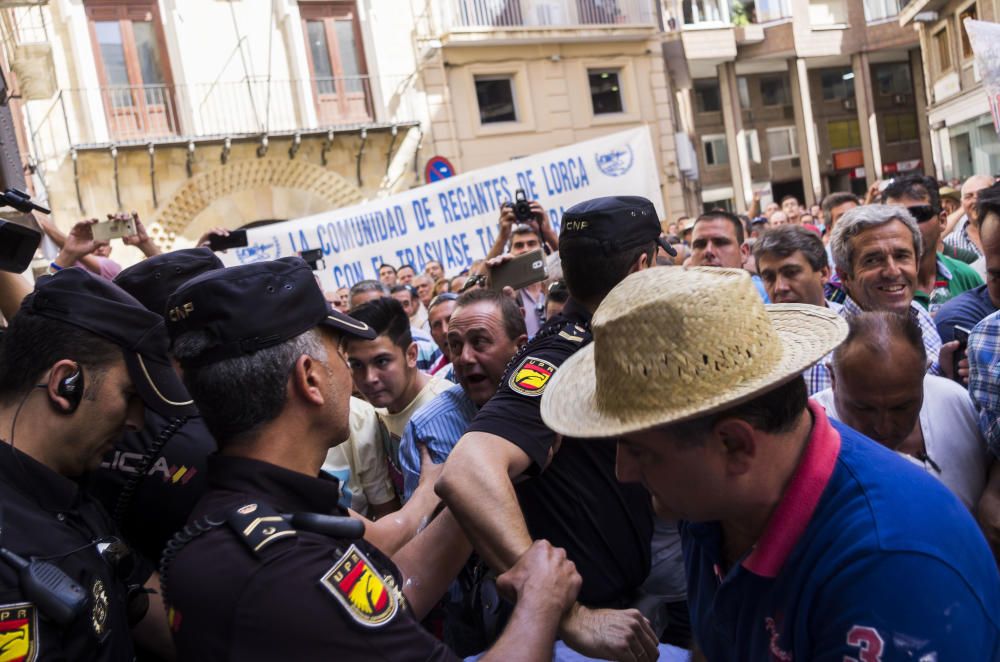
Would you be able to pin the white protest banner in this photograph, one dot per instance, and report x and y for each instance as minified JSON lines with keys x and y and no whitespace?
{"x":984,"y":38}
{"x":455,"y":220}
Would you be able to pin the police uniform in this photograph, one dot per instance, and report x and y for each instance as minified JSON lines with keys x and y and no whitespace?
{"x":866,"y":557}
{"x":267,"y":591}
{"x":575,"y":503}
{"x":242,"y":583}
{"x":46,"y":515}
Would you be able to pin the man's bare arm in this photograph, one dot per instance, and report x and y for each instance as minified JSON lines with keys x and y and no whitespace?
{"x":13,"y":289}
{"x":431,"y":561}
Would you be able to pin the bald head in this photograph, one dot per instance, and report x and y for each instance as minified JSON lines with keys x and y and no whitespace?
{"x":778,"y":219}
{"x":970,"y":188}
{"x":878,"y":376}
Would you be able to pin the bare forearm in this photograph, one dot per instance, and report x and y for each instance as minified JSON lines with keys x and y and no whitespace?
{"x":13,"y":289}
{"x":529,"y":636}
{"x":152,"y":631}
{"x":498,"y":244}
{"x":149,"y":249}
{"x":425,"y":581}
{"x":482,"y":497}
{"x":395,"y":529}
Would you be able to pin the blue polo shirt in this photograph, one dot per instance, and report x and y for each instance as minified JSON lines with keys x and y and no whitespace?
{"x":865,"y":558}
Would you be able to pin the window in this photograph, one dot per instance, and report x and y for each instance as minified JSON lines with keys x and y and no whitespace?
{"x":132,"y":67}
{"x":716,"y":151}
{"x":605,"y":91}
{"x":880,"y":10}
{"x":837,"y":84}
{"x":337,"y":61}
{"x":893,"y":78}
{"x":744,"y":91}
{"x":774,"y":90}
{"x":968,"y":12}
{"x":495,"y":95}
{"x":781,"y":143}
{"x":899,"y":127}
{"x":843,"y":134}
{"x":943,"y":49}
{"x":706,"y":96}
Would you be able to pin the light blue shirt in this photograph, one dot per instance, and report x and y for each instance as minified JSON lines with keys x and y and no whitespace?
{"x":438,"y":425}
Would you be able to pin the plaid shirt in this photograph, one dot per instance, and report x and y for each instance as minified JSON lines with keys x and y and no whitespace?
{"x":959,"y":237}
{"x":984,"y":378}
{"x":818,"y":376}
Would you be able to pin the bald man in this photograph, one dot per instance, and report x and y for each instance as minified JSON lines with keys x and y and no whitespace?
{"x":965,"y":234}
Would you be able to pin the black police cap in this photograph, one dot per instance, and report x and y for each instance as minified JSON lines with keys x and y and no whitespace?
{"x":94,"y":304}
{"x":619,"y":222}
{"x":156,"y":278}
{"x":248,"y":308}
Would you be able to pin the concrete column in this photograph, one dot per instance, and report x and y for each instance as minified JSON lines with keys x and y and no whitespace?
{"x":867,"y":123}
{"x":920,"y":96}
{"x":805,"y":130}
{"x":732,"y":117}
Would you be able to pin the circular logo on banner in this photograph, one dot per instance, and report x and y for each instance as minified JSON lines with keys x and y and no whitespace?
{"x":616,"y":162}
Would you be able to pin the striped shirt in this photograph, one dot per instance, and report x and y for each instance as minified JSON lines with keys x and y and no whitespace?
{"x":438,"y":425}
{"x":959,"y":237}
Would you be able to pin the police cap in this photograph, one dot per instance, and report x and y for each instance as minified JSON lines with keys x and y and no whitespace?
{"x":619,"y":222}
{"x":155,"y":278}
{"x":76,"y":297}
{"x":252,"y":307}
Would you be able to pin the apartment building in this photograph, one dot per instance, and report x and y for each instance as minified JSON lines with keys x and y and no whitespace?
{"x":796,"y":97}
{"x":506,"y":78}
{"x":963,"y":138}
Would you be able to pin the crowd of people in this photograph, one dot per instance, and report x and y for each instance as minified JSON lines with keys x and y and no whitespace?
{"x":762,"y":437}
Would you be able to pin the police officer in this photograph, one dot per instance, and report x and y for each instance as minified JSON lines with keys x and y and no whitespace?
{"x":260,"y":350}
{"x":575,"y":502}
{"x":154,"y":476}
{"x":77,"y":364}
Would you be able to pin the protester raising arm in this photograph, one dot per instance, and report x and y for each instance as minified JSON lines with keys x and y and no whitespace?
{"x":56,"y":235}
{"x":140,"y":239}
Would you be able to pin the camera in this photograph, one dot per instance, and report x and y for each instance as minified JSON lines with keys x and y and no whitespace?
{"x":522,"y":208}
{"x":114,"y":229}
{"x":17,"y":246}
{"x":314,"y":258}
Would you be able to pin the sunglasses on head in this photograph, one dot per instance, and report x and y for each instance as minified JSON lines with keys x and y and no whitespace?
{"x":922,"y":213}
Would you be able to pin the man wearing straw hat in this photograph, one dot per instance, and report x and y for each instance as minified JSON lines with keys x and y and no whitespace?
{"x":803,"y":539}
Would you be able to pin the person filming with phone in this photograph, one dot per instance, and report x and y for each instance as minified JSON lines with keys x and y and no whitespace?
{"x":525,"y":228}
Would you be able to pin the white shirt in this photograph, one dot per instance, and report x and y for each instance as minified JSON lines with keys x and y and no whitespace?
{"x":360,"y":463}
{"x":951,"y":437}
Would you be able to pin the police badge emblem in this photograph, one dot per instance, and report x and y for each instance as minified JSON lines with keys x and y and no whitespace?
{"x":18,"y":632}
{"x":369,"y":599}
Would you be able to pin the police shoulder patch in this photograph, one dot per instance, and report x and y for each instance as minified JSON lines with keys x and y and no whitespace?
{"x":530,"y":376}
{"x":368,"y":598}
{"x":18,"y":632}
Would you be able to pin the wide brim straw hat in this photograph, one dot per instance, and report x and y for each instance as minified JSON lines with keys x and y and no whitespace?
{"x":674,"y":343}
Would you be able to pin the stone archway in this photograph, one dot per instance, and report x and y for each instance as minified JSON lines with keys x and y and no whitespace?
{"x":307,"y":188}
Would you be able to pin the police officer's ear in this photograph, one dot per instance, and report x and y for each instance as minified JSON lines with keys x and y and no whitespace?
{"x":307,"y":378}
{"x":65,"y":385}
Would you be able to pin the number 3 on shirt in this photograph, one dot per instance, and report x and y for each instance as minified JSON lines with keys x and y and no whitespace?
{"x":868,"y":641}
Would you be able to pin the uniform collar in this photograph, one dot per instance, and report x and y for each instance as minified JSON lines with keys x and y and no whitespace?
{"x":287,"y":490}
{"x":52,"y":491}
{"x":798,"y":503}
{"x":575,"y":311}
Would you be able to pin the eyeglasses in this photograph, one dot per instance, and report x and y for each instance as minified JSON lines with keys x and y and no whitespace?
{"x":922,"y":213}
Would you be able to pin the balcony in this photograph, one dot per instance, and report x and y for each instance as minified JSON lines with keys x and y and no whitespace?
{"x":494,"y":22}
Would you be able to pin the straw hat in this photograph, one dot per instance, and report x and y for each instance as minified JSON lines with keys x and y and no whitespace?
{"x":671,"y":344}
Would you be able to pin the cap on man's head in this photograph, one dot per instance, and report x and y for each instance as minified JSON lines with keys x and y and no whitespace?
{"x":74,"y":296}
{"x":155,"y":278}
{"x":252,"y":307}
{"x":618,"y":222}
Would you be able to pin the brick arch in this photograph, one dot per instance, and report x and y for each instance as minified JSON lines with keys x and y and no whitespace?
{"x":199,"y":192}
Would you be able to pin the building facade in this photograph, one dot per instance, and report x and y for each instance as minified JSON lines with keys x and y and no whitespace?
{"x":796,"y":97}
{"x":200,"y":114}
{"x":963,"y":138}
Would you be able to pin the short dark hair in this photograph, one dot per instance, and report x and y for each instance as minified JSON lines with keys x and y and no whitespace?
{"x":988,"y":202}
{"x":510,"y":312}
{"x":590,"y":271}
{"x":384,"y":265}
{"x":789,"y":197}
{"x":370,"y":286}
{"x":33,"y":343}
{"x":723,"y":214}
{"x":914,"y":186}
{"x":876,"y":329}
{"x":403,"y":288}
{"x":387,"y":317}
{"x":773,"y":412}
{"x":784,"y":240}
{"x":443,"y":297}
{"x":837,"y":199}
